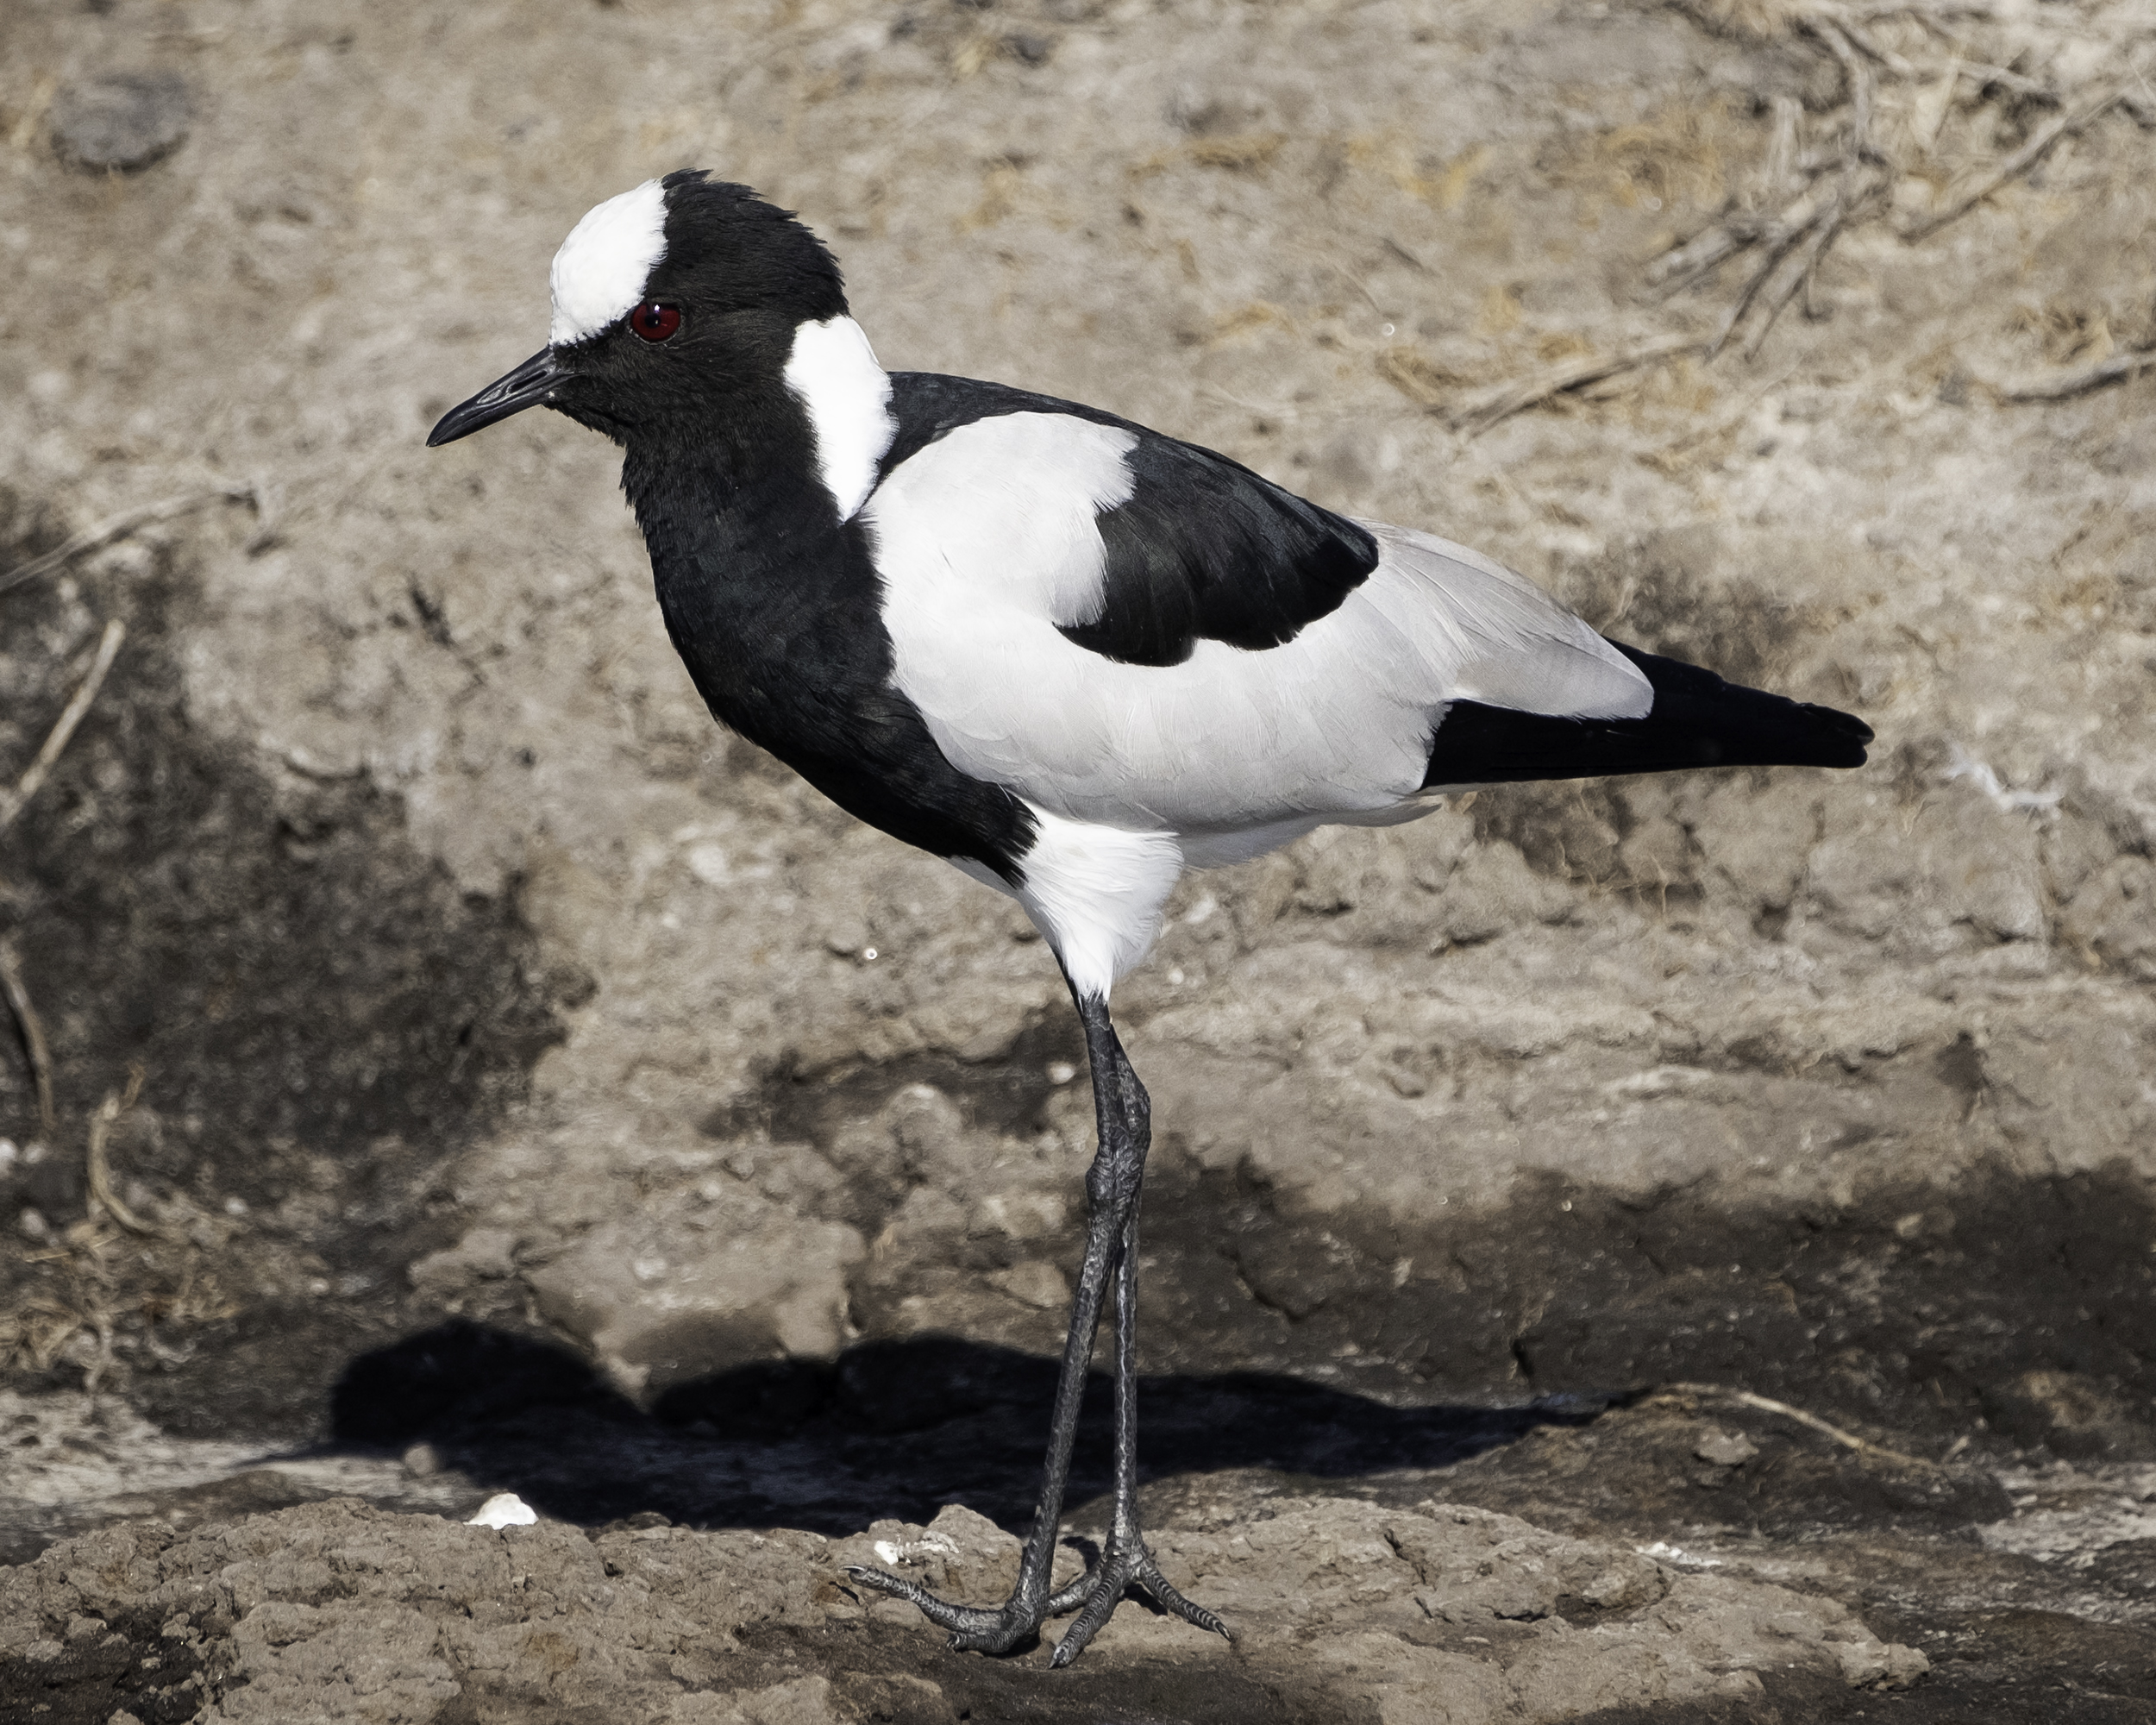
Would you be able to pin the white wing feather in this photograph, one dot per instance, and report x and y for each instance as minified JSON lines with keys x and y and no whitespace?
{"x":985,"y":542}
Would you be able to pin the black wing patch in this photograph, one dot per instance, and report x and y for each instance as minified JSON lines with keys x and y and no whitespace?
{"x":1697,"y":720}
{"x":1207,"y":550}
{"x":1203,"y":550}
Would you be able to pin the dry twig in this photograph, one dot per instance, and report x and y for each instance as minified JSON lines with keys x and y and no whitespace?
{"x":1767,"y":1404}
{"x":1476,"y":416}
{"x":1681,"y":265}
{"x":33,"y":1031}
{"x":1976,"y":72}
{"x":1824,"y":212}
{"x":101,"y":1126}
{"x":2066,"y":385}
{"x":1812,"y":220}
{"x":12,"y":803}
{"x":118,"y":527}
{"x":2018,"y":163}
{"x":1851,"y":26}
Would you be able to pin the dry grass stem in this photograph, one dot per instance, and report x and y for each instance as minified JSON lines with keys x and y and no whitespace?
{"x":1850,"y":176}
{"x":1858,"y":76}
{"x":1977,"y":72}
{"x":2018,"y":163}
{"x":12,"y":803}
{"x":101,"y":1125}
{"x":33,"y":1032}
{"x":1416,"y":377}
{"x":1849,"y":27}
{"x":1767,"y":1404}
{"x":2119,"y":368}
{"x":24,"y":132}
{"x":1682,"y":264}
{"x":1476,"y":416}
{"x":119,"y":526}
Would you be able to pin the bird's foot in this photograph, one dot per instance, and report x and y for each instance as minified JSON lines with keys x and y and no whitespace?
{"x":1103,"y":1586}
{"x":1017,"y":1622}
{"x":973,"y":1629}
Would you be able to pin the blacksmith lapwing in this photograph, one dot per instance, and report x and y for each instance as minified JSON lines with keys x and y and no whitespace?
{"x":1070,"y":655}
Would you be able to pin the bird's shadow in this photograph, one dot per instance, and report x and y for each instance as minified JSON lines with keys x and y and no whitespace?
{"x":890,"y":1429}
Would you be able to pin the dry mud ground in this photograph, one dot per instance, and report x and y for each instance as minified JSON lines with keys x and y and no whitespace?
{"x":539,"y":1090}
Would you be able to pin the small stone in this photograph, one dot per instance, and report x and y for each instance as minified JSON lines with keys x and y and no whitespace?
{"x":482,"y":1255}
{"x":1034,"y":1283}
{"x":1869,"y":1664}
{"x":1028,"y":1214}
{"x":1725,"y":1449}
{"x":124,"y":122}
{"x":421,"y":1460}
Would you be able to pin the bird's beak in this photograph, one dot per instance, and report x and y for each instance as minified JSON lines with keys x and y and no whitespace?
{"x":529,"y":386}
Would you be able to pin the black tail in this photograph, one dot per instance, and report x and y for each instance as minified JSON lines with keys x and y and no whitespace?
{"x":1697,"y":720}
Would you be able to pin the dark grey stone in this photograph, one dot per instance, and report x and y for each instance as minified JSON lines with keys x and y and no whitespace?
{"x":124,"y":122}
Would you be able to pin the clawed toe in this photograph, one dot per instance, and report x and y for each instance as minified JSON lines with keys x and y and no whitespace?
{"x":973,"y":1629}
{"x":1104,"y":1586}
{"x":1093,"y":1596}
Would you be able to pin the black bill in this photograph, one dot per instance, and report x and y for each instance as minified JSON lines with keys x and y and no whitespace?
{"x":530,"y":385}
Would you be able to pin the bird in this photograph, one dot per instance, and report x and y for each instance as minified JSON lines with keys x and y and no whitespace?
{"x":1072,"y":655}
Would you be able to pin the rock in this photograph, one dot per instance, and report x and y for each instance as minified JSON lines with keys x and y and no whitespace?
{"x":1035,"y":1283}
{"x":483,"y":1255}
{"x":959,"y":1554}
{"x":1725,"y":1449}
{"x":1881,"y":1665}
{"x":662,"y":1302}
{"x":1475,"y":1564}
{"x":1021,"y":1215}
{"x":124,"y":122}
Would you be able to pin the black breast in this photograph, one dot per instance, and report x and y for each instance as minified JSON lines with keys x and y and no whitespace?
{"x":773,"y":607}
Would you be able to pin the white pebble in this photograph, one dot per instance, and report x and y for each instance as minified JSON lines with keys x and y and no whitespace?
{"x":504,"y":1509}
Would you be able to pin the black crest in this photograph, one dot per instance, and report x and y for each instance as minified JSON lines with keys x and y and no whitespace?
{"x":728,"y":250}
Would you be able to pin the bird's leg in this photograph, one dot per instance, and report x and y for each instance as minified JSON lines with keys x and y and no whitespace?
{"x":1125,"y":1560}
{"x":1112,"y":1186}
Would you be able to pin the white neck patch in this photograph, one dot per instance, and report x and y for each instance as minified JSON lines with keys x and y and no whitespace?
{"x":833,"y":373}
{"x":598,"y":275}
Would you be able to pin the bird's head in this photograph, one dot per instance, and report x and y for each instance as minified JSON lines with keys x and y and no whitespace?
{"x":667,"y":299}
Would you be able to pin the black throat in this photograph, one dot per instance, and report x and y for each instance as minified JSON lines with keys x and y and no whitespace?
{"x":775,"y":606}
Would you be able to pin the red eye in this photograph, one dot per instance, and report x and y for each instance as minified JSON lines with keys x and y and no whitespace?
{"x":654,"y":321}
